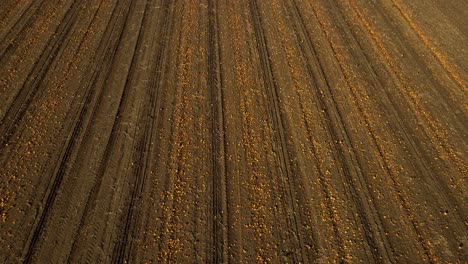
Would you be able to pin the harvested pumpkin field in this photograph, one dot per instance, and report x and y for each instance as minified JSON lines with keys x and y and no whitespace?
{"x":261,"y":131}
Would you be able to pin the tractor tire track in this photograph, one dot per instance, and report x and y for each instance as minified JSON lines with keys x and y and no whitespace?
{"x":213,"y":131}
{"x":423,"y":165}
{"x":278,"y":124}
{"x":117,"y":123}
{"x":334,"y":135}
{"x":7,"y":16}
{"x":59,"y":172}
{"x":122,"y":250}
{"x":88,"y":107}
{"x":220,"y":241}
{"x":451,"y":69}
{"x":35,"y":79}
{"x":13,"y":35}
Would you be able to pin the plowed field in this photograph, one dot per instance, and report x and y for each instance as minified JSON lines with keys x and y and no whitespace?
{"x":261,"y":131}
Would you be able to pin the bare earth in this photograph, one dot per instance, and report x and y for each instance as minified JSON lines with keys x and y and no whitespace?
{"x":268,"y":131}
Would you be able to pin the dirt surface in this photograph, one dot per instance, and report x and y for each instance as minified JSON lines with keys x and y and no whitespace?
{"x":279,"y":131}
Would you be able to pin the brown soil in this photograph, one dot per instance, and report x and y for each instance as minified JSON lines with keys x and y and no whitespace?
{"x":279,"y":131}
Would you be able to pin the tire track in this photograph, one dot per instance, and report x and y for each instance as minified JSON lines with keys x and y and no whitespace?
{"x":295,"y":105}
{"x":34,"y":135}
{"x":21,"y":29}
{"x":387,"y":166}
{"x":373,"y":223}
{"x":229,"y":40}
{"x":20,"y":26}
{"x":88,"y":105}
{"x":122,"y":250}
{"x":423,"y":165}
{"x":36,"y":77}
{"x":278,"y":124}
{"x":451,"y":70}
{"x":220,"y":240}
{"x":217,"y":131}
{"x":7,"y":8}
{"x":16,"y":69}
{"x":60,"y":169}
{"x":388,"y":248}
{"x":123,"y":104}
{"x":423,"y":58}
{"x":118,"y":255}
{"x":127,"y":9}
{"x":436,"y":182}
{"x":9,"y":15}
{"x":363,"y":207}
{"x":253,"y":233}
{"x":165,"y":241}
{"x":447,"y":147}
{"x":317,"y":250}
{"x":177,"y":235}
{"x":415,"y":103}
